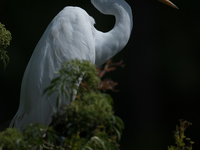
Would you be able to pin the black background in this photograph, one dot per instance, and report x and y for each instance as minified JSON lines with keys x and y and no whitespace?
{"x":158,"y":86}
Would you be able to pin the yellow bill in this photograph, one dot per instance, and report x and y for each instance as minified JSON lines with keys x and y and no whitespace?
{"x":169,"y":3}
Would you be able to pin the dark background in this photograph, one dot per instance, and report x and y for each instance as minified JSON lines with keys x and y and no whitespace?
{"x":161,"y":80}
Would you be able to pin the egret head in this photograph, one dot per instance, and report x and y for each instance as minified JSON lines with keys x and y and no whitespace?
{"x":169,"y":3}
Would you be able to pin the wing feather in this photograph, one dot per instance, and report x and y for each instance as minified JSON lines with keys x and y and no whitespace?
{"x":68,"y":36}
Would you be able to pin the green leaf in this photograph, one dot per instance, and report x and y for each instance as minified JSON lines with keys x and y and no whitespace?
{"x":88,"y":147}
{"x":118,"y":133}
{"x":5,"y":37}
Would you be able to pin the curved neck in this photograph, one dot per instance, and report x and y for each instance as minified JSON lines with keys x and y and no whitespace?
{"x":109,"y":43}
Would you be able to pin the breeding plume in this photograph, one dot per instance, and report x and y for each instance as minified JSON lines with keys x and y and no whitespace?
{"x":71,"y":34}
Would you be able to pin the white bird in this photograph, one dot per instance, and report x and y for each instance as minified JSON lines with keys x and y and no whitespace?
{"x":71,"y":34}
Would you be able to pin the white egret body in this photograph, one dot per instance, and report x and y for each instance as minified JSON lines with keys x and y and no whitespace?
{"x":71,"y":34}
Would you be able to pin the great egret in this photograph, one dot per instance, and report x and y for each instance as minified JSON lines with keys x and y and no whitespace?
{"x":71,"y":34}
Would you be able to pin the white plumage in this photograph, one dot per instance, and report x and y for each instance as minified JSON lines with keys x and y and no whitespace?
{"x":62,"y":40}
{"x":71,"y":34}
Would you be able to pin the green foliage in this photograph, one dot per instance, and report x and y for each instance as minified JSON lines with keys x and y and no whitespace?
{"x":88,"y":123}
{"x":180,"y":137}
{"x":69,"y":77}
{"x":33,"y":134}
{"x":5,"y":38}
{"x":12,"y":139}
